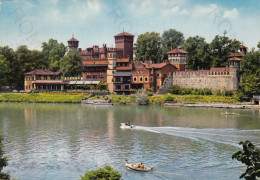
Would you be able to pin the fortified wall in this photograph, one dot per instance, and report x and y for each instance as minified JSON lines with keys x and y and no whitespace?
{"x":214,"y":79}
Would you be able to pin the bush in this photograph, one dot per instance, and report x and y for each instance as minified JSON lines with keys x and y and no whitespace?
{"x":250,"y":156}
{"x":169,"y":98}
{"x":149,"y":94}
{"x":175,"y":89}
{"x":239,"y":96}
{"x":142,"y":99}
{"x":106,"y":173}
{"x":3,"y":161}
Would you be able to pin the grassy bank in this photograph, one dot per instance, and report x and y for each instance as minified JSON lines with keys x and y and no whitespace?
{"x":41,"y":98}
{"x":117,"y":99}
{"x":161,"y":99}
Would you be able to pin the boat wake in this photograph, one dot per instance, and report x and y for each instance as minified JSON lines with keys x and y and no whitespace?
{"x":225,"y":136}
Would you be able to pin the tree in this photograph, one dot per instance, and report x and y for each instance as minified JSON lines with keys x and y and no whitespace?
{"x":221,"y":47}
{"x":4,"y":71}
{"x":8,"y":62}
{"x":3,"y":161}
{"x":171,"y":38}
{"x":106,"y":173}
{"x":102,"y":85}
{"x":71,"y":65}
{"x":251,"y":73}
{"x":198,"y":53}
{"x":258,"y":45}
{"x":148,"y":47}
{"x":26,"y":61}
{"x":52,"y":53}
{"x":250,"y":156}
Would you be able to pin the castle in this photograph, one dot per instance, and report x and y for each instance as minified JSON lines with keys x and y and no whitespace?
{"x":116,"y":67}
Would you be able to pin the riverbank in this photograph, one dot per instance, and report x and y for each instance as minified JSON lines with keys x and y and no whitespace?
{"x":42,"y":97}
{"x":215,"y":105}
{"x":210,"y":101}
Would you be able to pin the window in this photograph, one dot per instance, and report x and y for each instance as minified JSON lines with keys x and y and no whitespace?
{"x":164,"y":75}
{"x":118,"y":79}
{"x":94,"y":76}
{"x":118,"y":87}
{"x":135,"y":79}
{"x":101,"y":76}
{"x":88,"y":76}
{"x":151,"y":78}
{"x":126,"y":86}
{"x":141,"y":79}
{"x":157,"y":75}
{"x":145,"y":79}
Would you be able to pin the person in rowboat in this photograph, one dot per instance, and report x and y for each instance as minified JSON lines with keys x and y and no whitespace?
{"x":128,"y":123}
{"x":141,"y":166}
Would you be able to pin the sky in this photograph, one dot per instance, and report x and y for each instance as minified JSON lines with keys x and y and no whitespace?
{"x":95,"y":22}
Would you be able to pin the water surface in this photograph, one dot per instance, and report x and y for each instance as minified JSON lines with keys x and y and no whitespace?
{"x":63,"y":141}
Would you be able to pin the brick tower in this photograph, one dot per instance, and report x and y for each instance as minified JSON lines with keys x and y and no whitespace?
{"x":73,"y":44}
{"x":177,"y":57}
{"x":125,"y":41}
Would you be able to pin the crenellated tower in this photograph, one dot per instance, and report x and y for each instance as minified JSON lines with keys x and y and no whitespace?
{"x":125,"y":41}
{"x":177,"y":57}
{"x":73,"y":44}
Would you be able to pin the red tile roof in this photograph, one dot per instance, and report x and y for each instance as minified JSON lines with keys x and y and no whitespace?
{"x":237,"y":54}
{"x":42,"y":72}
{"x":234,"y":59}
{"x":157,"y":66}
{"x":124,"y":34}
{"x":73,"y":39}
{"x":177,"y":51}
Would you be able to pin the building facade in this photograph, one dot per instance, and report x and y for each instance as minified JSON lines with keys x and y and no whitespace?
{"x":223,"y":78}
{"x":43,"y":79}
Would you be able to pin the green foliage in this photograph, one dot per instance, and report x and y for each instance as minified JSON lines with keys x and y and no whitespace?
{"x":7,"y":71}
{"x":169,"y":98}
{"x":52,"y":53}
{"x":251,"y":73}
{"x":142,"y":99}
{"x":221,"y":47}
{"x":250,"y":156}
{"x":21,"y":61}
{"x":149,"y":47}
{"x":41,"y":98}
{"x":4,"y":71}
{"x":198,"y":53}
{"x":102,"y":85}
{"x":171,"y":38}
{"x":133,"y":91}
{"x":106,"y":173}
{"x":176,"y":89}
{"x":258,"y":45}
{"x":70,"y":64}
{"x":239,"y":95}
{"x":122,"y":99}
{"x":3,"y":161}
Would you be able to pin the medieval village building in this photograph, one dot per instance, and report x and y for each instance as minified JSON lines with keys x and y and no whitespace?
{"x":117,"y":68}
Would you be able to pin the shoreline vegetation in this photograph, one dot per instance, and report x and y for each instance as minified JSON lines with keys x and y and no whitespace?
{"x":133,"y":99}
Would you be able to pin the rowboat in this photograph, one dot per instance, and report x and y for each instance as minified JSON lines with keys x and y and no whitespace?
{"x":134,"y":167}
{"x":230,"y":113}
{"x":126,"y":126}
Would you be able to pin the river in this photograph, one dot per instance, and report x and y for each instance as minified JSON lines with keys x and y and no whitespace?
{"x":64,"y":141}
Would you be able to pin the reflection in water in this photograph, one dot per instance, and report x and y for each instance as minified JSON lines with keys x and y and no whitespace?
{"x":63,"y":141}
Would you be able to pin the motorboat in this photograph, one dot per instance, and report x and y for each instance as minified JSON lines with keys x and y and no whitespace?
{"x":126,"y":126}
{"x":136,"y":168}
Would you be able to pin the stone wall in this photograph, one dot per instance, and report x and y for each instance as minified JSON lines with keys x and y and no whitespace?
{"x":206,"y":79}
